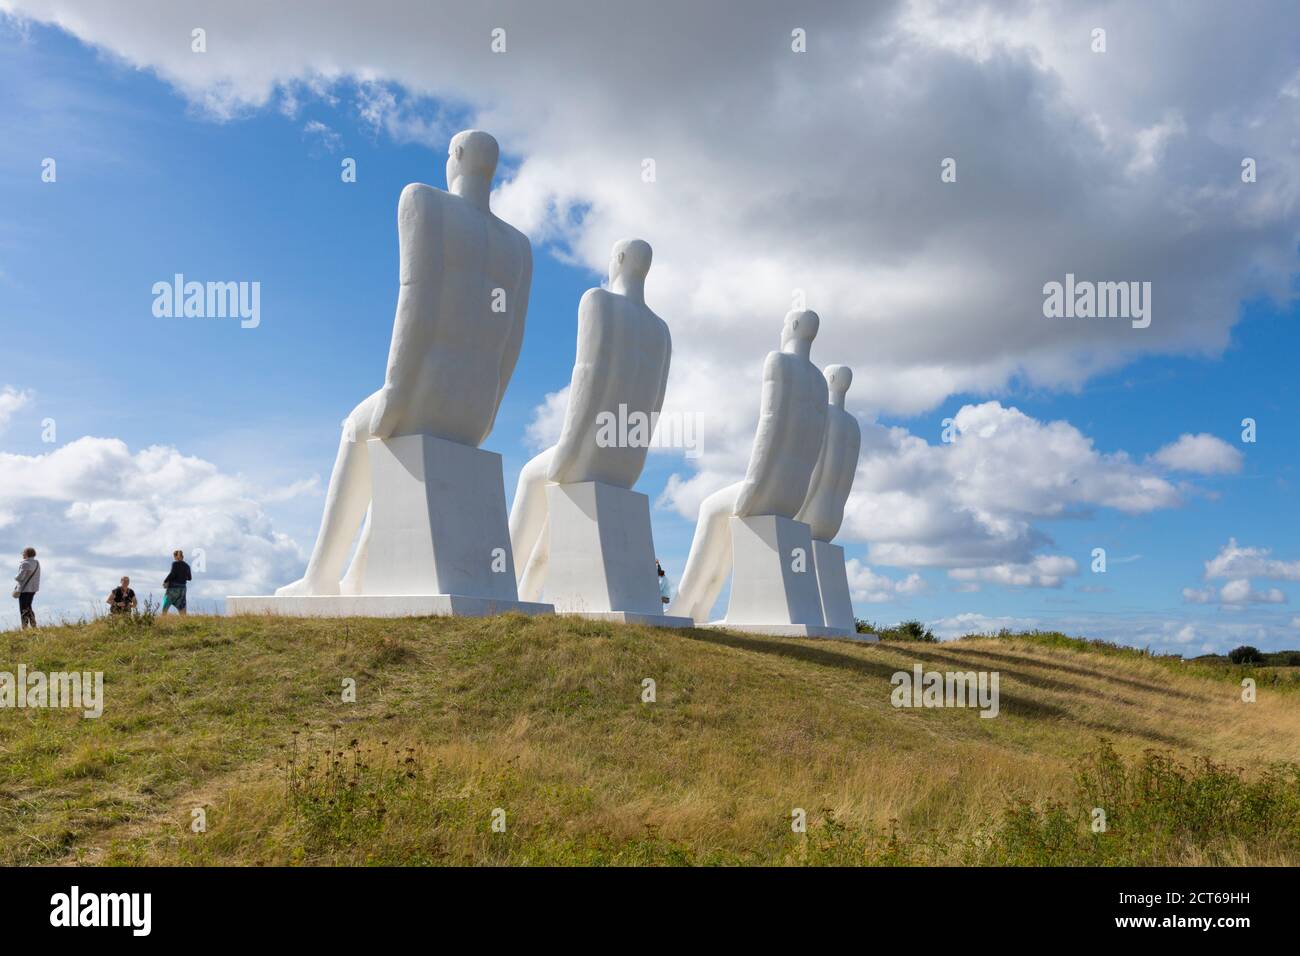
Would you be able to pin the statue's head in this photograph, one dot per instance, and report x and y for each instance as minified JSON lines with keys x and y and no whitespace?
{"x":471,"y":153}
{"x":800,"y":326}
{"x":838,"y":380}
{"x":629,"y":260}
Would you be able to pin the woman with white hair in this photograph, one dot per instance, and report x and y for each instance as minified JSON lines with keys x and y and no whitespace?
{"x":28,"y":582}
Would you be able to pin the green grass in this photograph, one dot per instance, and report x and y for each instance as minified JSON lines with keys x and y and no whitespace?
{"x":542,"y":720}
{"x":1278,"y":669}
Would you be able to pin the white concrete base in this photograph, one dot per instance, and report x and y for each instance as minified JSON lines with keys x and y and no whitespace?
{"x":833,"y":586}
{"x":623,"y":617}
{"x":602,"y":556}
{"x":380,"y":605}
{"x":438,"y":522}
{"x":774,"y":579}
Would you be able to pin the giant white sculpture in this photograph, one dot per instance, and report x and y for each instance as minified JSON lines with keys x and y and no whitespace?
{"x":409,"y":470}
{"x":580,"y":535}
{"x":828,"y":490}
{"x":749,"y":529}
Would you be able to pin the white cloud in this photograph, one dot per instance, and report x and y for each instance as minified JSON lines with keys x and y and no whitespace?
{"x":959,"y":625}
{"x":1202,"y":454}
{"x":548,"y":420}
{"x":1151,"y":144}
{"x":1236,"y":593}
{"x":322,"y":136}
{"x":1234,"y":561}
{"x":972,"y":503}
{"x":1044,"y":571}
{"x":94,"y":511}
{"x":820,"y":172}
{"x":968,"y":505}
{"x":11,"y":400}
{"x":872,"y":588}
{"x":1239,"y":592}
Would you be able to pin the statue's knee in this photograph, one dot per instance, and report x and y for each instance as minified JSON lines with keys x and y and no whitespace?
{"x":356,"y":427}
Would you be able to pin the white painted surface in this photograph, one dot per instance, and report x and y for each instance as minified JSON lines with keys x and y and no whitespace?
{"x":791,"y":425}
{"x":774,"y":581}
{"x":464,"y":278}
{"x":380,"y":605}
{"x":619,"y":377}
{"x":837,"y":463}
{"x":709,"y":563}
{"x":601,"y":550}
{"x":787,"y":444}
{"x":438,"y":524}
{"x":833,"y":586}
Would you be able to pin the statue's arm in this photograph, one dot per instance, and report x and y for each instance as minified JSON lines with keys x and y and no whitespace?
{"x":585,"y":395}
{"x":818,"y":478}
{"x":664,"y":369}
{"x":415,"y":323}
{"x":853,"y":452}
{"x":769,"y":444}
{"x":515,"y":337}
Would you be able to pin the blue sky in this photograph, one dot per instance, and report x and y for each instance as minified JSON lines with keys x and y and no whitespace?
{"x":151,"y":182}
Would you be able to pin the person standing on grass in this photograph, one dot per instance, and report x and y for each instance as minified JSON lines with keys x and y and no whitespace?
{"x":28,"y":582}
{"x":175,"y":583}
{"x":665,"y":588}
{"x":121,"y":600}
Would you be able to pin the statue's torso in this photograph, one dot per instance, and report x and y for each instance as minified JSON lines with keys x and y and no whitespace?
{"x":832,"y":480}
{"x":792,"y":419}
{"x":467,"y":255}
{"x":622,"y":388}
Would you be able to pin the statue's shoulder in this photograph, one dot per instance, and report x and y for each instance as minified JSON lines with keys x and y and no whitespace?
{"x":655,"y":317}
{"x":515,"y":234}
{"x":784,"y":366}
{"x":844,"y":419}
{"x":596,"y":297}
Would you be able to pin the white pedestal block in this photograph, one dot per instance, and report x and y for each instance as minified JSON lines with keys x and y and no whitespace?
{"x":833,"y":586}
{"x":438,"y":521}
{"x":602,"y":557}
{"x":774,"y":578}
{"x":439,"y":544}
{"x":380,"y":605}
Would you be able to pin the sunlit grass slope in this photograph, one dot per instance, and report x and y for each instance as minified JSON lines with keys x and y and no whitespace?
{"x":539,"y":726}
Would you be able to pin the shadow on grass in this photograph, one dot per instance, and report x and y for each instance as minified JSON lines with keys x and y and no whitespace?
{"x":826,"y":657}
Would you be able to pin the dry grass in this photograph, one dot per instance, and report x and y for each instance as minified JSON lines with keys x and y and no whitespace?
{"x":543,"y":718}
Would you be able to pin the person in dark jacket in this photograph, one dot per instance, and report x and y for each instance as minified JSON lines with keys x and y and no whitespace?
{"x":121,"y":600}
{"x":175,"y":583}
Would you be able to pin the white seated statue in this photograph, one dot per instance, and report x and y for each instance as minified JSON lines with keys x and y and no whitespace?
{"x":580,"y":535}
{"x":750,"y":527}
{"x":828,"y":491}
{"x":409,"y":464}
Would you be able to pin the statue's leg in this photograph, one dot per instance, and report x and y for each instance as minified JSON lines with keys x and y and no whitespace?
{"x":532,"y":583}
{"x":346,"y":502}
{"x":709,"y":562}
{"x":528,"y":522}
{"x":354,"y":581}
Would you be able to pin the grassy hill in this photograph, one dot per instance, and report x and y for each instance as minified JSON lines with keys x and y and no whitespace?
{"x":543,"y":719}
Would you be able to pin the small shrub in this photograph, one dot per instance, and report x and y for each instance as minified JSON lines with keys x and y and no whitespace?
{"x":1245,"y":655}
{"x":142,"y":615}
{"x":904,"y":631}
{"x":1158,"y":811}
